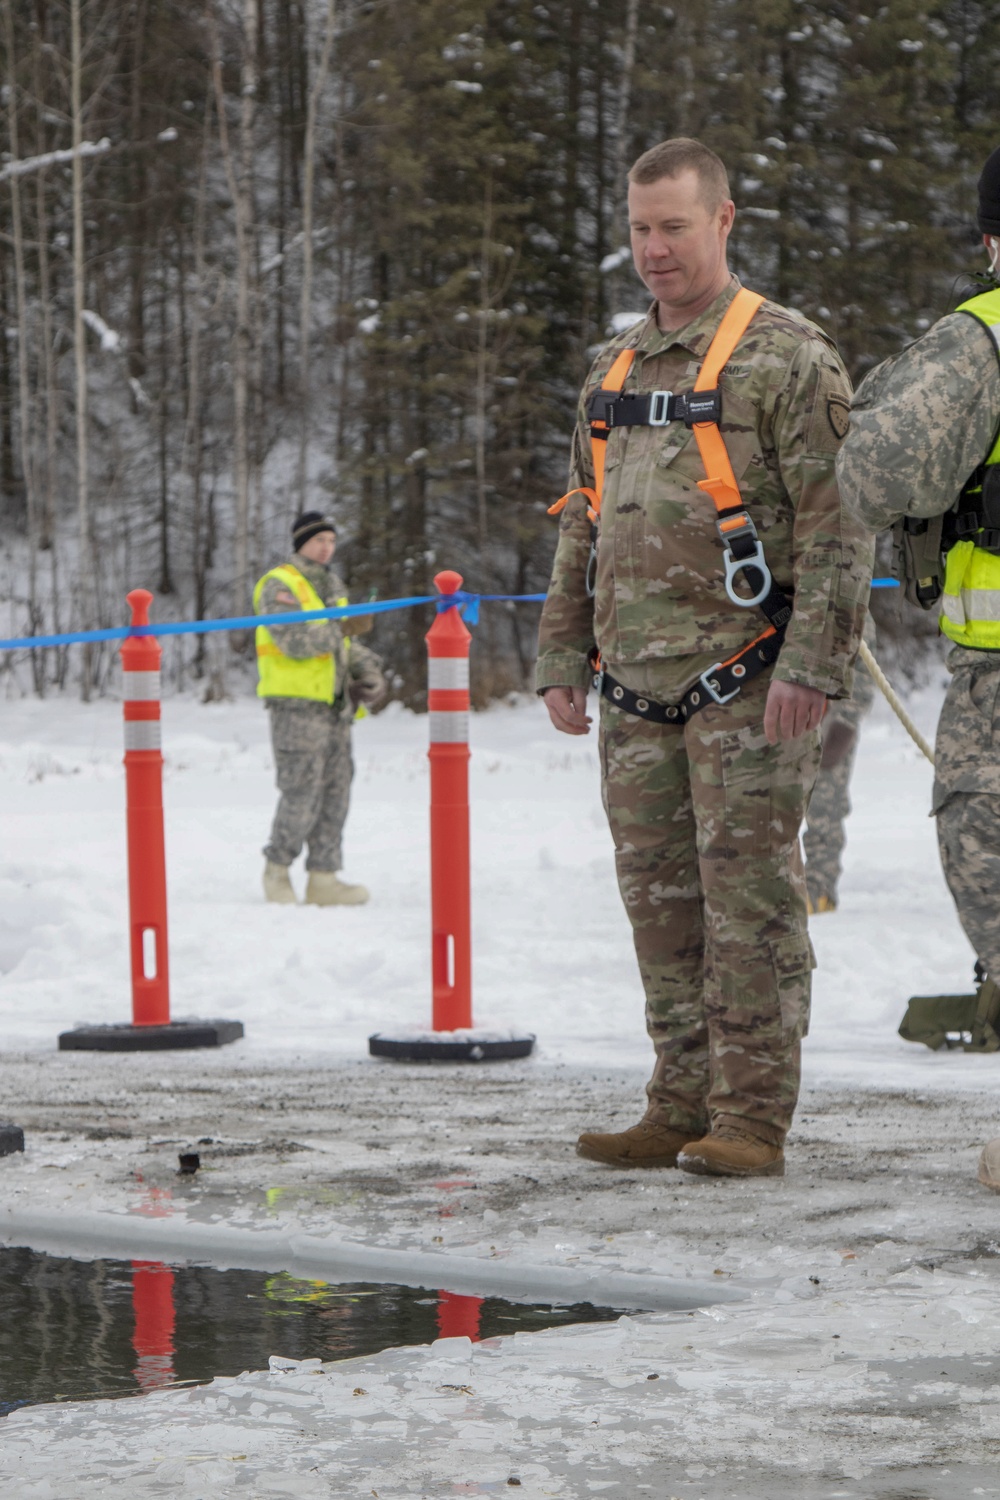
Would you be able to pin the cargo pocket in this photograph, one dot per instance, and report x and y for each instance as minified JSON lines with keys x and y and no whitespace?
{"x":984,"y":685}
{"x":793,"y":961}
{"x":300,"y":728}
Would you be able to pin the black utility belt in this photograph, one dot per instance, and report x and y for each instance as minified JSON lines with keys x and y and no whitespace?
{"x":654,"y":408}
{"x":717,"y":685}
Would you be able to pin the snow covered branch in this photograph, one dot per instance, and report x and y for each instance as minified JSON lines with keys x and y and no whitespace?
{"x":53,"y":159}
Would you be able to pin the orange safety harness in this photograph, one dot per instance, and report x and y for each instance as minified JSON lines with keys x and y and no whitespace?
{"x":701,"y":410}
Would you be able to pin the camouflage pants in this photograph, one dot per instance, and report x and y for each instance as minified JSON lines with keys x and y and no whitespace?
{"x":830,"y":804}
{"x":314,"y":767}
{"x":705,"y":821}
{"x":967,"y":798}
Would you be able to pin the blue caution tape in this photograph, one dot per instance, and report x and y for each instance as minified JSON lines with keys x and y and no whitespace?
{"x":468,"y":605}
{"x":205,"y":627}
{"x":249,"y":622}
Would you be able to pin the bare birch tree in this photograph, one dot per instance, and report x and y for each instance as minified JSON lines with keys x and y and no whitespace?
{"x":620,"y":190}
{"x":240,"y":178}
{"x":87,"y":562}
{"x":23,"y":346}
{"x":305,"y":309}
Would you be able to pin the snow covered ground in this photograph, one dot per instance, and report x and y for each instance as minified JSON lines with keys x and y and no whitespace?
{"x":861,"y":1359}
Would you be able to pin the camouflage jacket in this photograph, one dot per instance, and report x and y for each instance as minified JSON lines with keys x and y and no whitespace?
{"x":660,"y":614}
{"x":920,"y":423}
{"x":354,"y":663}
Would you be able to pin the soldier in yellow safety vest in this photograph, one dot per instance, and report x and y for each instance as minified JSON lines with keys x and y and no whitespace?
{"x":923,"y":455}
{"x":313,"y":677}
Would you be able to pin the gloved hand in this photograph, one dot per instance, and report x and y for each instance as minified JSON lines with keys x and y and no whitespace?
{"x":367,"y":691}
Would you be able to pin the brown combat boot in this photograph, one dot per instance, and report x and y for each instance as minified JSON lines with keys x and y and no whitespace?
{"x":644,"y":1145}
{"x":730,"y":1152}
{"x":324,"y":888}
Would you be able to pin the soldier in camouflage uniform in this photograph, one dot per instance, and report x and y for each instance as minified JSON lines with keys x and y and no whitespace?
{"x":311,"y":740}
{"x":922,"y":423}
{"x":830,"y":804}
{"x":705,"y":817}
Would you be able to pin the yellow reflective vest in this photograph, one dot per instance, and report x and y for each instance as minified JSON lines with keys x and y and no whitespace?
{"x":970,"y":604}
{"x":281,"y":676}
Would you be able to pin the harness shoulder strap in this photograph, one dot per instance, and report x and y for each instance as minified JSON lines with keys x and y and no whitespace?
{"x":721,"y":482}
{"x":613,"y":382}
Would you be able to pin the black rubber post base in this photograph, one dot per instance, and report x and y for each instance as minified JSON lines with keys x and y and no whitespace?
{"x":130,"y":1038}
{"x":11,"y":1138}
{"x":449,"y":1046}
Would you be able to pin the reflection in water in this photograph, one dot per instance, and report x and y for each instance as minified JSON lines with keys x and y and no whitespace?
{"x":153,"y":1337}
{"x":72,"y":1330}
{"x":458,"y":1317}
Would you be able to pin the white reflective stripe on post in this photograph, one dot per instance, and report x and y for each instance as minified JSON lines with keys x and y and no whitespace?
{"x":449,"y":726}
{"x":142,"y":734}
{"x":450,"y":674}
{"x":141,"y":687}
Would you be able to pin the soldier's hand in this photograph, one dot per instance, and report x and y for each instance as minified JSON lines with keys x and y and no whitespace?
{"x":792,"y":710}
{"x":367,"y":692}
{"x":568,"y":709}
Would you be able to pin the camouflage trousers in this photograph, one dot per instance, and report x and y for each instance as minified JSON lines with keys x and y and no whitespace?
{"x":830,"y":802}
{"x":705,"y":821}
{"x":967,"y":798}
{"x":313,"y":765}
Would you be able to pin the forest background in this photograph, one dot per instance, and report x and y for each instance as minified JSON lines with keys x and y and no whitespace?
{"x":261,"y":256}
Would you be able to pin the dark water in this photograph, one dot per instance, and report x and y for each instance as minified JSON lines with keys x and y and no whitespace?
{"x":75,"y":1330}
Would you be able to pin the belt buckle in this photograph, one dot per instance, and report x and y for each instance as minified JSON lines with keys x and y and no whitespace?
{"x":713,"y":690}
{"x":659,"y":408}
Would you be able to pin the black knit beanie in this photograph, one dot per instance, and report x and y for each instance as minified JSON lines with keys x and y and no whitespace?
{"x":989,"y":195}
{"x":310,"y":524}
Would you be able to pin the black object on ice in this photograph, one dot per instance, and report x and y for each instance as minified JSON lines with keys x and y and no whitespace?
{"x":449,"y":1046}
{"x":130,"y":1038}
{"x":190,"y":1162}
{"x":11,"y":1138}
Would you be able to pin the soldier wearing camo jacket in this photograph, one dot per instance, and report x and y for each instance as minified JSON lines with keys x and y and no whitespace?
{"x":706,"y":817}
{"x":923,"y":451}
{"x":313,"y":678}
{"x":830,"y":803}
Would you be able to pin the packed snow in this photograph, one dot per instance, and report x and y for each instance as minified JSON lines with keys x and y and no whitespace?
{"x":856,"y":1353}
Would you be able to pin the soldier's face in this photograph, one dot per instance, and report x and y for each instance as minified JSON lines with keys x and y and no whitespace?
{"x":320,"y":548}
{"x":679,"y":242}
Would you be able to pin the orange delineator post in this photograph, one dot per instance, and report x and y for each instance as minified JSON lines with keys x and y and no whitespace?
{"x":147,"y":870}
{"x":451,"y":916}
{"x":448,"y":643}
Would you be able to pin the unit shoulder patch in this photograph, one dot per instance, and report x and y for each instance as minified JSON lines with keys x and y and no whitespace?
{"x":839,"y":414}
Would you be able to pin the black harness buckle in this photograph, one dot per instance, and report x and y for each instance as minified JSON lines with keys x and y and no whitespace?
{"x":652,"y":409}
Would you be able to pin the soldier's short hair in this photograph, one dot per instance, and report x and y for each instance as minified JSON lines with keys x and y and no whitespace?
{"x":683,"y":154}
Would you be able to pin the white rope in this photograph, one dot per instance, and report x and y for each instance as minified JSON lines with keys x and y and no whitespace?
{"x":894,"y":702}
